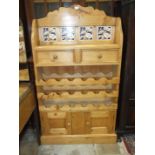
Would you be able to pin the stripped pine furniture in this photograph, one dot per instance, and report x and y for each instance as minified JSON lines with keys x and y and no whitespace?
{"x":77,"y":59}
{"x":26,"y":104}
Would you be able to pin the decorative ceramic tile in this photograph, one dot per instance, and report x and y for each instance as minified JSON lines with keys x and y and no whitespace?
{"x":68,"y":33}
{"x":48,"y":34}
{"x":104,"y":32}
{"x":86,"y":33}
{"x":52,"y":33}
{"x":45,"y":33}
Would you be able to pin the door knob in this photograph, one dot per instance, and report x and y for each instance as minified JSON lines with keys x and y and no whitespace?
{"x":69,"y":124}
{"x":87,"y":123}
{"x":55,"y":57}
{"x":100,"y":56}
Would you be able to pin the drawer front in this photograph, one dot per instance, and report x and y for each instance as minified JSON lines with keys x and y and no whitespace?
{"x":99,"y":57}
{"x":75,"y":57}
{"x":58,"y":57}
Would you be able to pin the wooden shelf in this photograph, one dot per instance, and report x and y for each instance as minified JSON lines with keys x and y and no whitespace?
{"x":74,"y":64}
{"x":74,"y":46}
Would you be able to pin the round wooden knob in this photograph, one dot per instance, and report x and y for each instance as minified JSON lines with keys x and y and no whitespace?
{"x":55,"y":57}
{"x":69,"y":124}
{"x":88,"y":123}
{"x":100,"y":56}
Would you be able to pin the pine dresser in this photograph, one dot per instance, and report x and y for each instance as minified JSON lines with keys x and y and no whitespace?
{"x":77,"y":59}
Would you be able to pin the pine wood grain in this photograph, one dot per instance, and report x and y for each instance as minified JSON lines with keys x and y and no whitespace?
{"x":64,"y":64}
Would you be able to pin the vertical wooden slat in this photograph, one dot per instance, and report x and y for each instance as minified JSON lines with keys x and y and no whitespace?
{"x":68,"y":122}
{"x":78,"y":123}
{"x":77,"y":56}
{"x":87,"y":123}
{"x":44,"y":123}
{"x":112,"y":118}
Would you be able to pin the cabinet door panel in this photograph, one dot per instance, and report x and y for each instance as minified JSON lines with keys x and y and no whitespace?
{"x":99,"y":122}
{"x":45,"y":127}
{"x":81,"y":123}
{"x":78,"y":123}
{"x":102,"y":121}
{"x":55,"y":122}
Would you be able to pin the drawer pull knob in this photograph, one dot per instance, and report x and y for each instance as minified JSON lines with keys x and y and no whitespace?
{"x":100,"y":56}
{"x":55,"y":57}
{"x":87,"y":123}
{"x":69,"y":124}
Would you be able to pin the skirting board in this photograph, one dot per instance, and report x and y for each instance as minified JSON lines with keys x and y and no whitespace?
{"x":79,"y":139}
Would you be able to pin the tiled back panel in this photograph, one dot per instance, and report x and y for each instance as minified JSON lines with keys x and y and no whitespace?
{"x":50,"y":34}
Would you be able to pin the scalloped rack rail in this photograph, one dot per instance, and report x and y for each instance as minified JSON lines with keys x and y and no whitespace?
{"x":79,"y":106}
{"x":79,"y":81}
{"x":77,"y":95}
{"x":77,"y":87}
{"x":77,"y":75}
{"x":78,"y":98}
{"x":83,"y":102}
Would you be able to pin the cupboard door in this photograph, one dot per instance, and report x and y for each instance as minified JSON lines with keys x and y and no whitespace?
{"x":102,"y":122}
{"x":81,"y":122}
{"x":55,"y":123}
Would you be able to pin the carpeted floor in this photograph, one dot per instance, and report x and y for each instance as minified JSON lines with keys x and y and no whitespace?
{"x":129,"y":141}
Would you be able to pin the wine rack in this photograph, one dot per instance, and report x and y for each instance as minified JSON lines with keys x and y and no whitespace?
{"x":77,"y":61}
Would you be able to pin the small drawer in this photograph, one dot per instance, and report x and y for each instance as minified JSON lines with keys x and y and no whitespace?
{"x":99,"y":57}
{"x":55,"y":57}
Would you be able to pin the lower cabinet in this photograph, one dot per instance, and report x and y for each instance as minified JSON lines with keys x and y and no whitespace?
{"x":55,"y":123}
{"x":90,"y":122}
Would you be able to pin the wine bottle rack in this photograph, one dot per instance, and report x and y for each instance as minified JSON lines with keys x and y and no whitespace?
{"x":78,"y":75}
{"x":78,"y":81}
{"x":77,"y":62}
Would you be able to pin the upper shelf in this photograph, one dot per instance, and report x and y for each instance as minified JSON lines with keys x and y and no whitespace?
{"x":77,"y":46}
{"x":77,"y":26}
